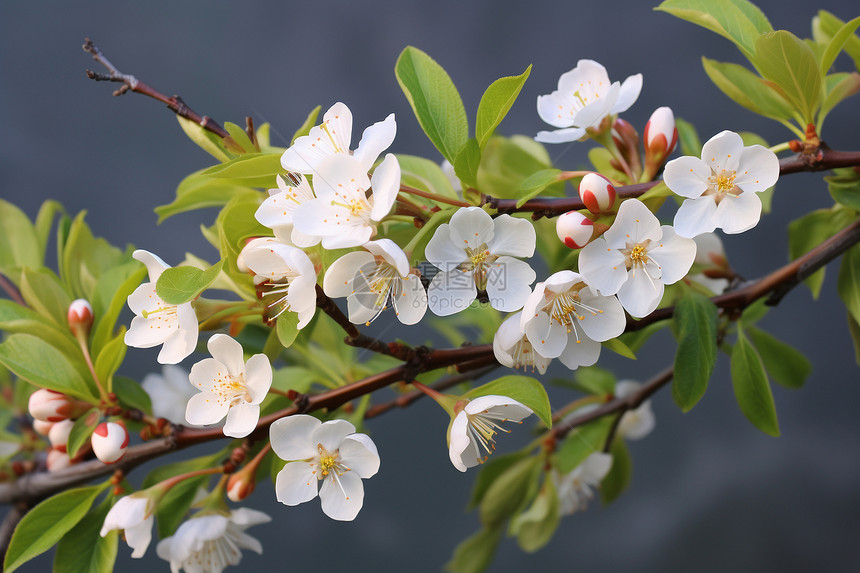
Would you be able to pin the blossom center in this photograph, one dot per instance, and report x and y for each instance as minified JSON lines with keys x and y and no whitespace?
{"x":523,"y":355}
{"x":385,"y":282}
{"x":331,"y":466}
{"x":479,"y":260}
{"x":165,"y":313}
{"x":566,"y":307}
{"x":482,"y":429}
{"x":723,"y":184}
{"x":231,"y":390}
{"x":636,"y":255}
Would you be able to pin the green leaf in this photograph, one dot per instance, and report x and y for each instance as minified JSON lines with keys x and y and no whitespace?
{"x":435,"y":101}
{"x":748,"y":90}
{"x":618,"y":478}
{"x":198,"y":191}
{"x":809,"y":231}
{"x":425,"y":175}
{"x":44,"y":222}
{"x":19,"y":244}
{"x":178,"y":285}
{"x":582,"y":442}
{"x":110,"y":359}
{"x":837,"y":43}
{"x":251,"y":170}
{"x":83,"y":549}
{"x":476,"y":553}
{"x":287,"y":328}
{"x":36,"y":361}
{"x":534,"y":184}
{"x":240,"y":136}
{"x":15,"y":318}
{"x":206,"y":140}
{"x":44,"y":293}
{"x":132,"y":395}
{"x":509,"y":491}
{"x":82,"y":430}
{"x":523,"y":389}
{"x":495,"y":104}
{"x":848,"y":284}
{"x":737,"y":20}
{"x":107,"y":315}
{"x":785,"y":364}
{"x":837,"y":87}
{"x":595,"y":380}
{"x":86,"y":258}
{"x":688,"y":138}
{"x":490,"y":471}
{"x":829,"y":25}
{"x":467,"y":162}
{"x":785,"y":60}
{"x":854,"y":330}
{"x":47,"y":523}
{"x":636,"y":339}
{"x":174,"y":506}
{"x":535,"y":527}
{"x":752,"y":390}
{"x":695,"y":327}
{"x":617,"y":346}
{"x":235,"y":223}
{"x":507,"y":162}
{"x":310,"y":121}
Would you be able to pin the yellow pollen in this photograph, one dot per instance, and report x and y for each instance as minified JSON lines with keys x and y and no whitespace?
{"x":326,"y":464}
{"x":638,"y":253}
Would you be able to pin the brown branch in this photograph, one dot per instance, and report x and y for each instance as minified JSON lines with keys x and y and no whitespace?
{"x":824,"y":159}
{"x":131,"y":83}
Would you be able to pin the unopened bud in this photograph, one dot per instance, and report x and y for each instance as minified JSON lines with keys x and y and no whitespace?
{"x":41,"y":427}
{"x":50,"y":406}
{"x":80,"y":317}
{"x":59,"y":434}
{"x":661,"y":135}
{"x":110,"y":441}
{"x":597,"y":193}
{"x":241,"y":484}
{"x":57,"y":460}
{"x":574,"y":229}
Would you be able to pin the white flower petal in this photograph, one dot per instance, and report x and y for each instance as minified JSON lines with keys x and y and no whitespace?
{"x":258,"y":377}
{"x":204,"y":408}
{"x":411,"y":304}
{"x":561,"y":135}
{"x":634,"y":223}
{"x":628,"y":94}
{"x":581,"y":351}
{"x":391,"y":253}
{"x":641,"y":294}
{"x":471,"y":227}
{"x":139,"y":537}
{"x":462,"y":451}
{"x":330,"y":434}
{"x":451,"y":292}
{"x":291,"y":437}
{"x":376,"y":139}
{"x":513,"y":236}
{"x":296,"y":483}
{"x":386,"y":184}
{"x":345,"y":238}
{"x":359,"y":454}
{"x":738,"y":213}
{"x":552,"y":109}
{"x":337,"y":281}
{"x":154,"y":265}
{"x":723,"y":151}
{"x":508,"y":283}
{"x":758,"y":169}
{"x":441,"y":250}
{"x":547,"y":337}
{"x":696,"y":216}
{"x":228,"y":352}
{"x":241,"y":420}
{"x":674,"y":254}
{"x":143,"y":333}
{"x":608,"y":323}
{"x":342,"y":499}
{"x":603,"y":267}
{"x":246,"y":517}
{"x":593,"y":113}
{"x":508,"y":408}
{"x":687,"y":176}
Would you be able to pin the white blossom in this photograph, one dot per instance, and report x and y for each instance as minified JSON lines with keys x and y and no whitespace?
{"x":574,"y":489}
{"x":584,"y":97}
{"x":512,"y":348}
{"x":229,"y":387}
{"x":721,"y":187}
{"x":638,"y":423}
{"x":169,"y":392}
{"x":134,"y":515}
{"x":471,"y":437}
{"x":278,"y":210}
{"x":331,"y":453}
{"x":174,"y":326}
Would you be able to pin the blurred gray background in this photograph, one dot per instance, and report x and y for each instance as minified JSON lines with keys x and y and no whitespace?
{"x":709,"y":492}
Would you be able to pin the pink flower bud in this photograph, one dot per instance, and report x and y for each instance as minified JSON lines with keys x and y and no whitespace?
{"x":42,"y":427}
{"x":59,"y":434}
{"x":80,"y":317}
{"x":661,"y":135}
{"x":574,"y":229}
{"x":50,"y":406}
{"x":597,"y":193}
{"x":240,"y":485}
{"x":110,"y":441}
{"x":57,"y":460}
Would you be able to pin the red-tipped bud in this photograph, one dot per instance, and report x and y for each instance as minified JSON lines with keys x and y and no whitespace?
{"x":110,"y":441}
{"x":574,"y":229}
{"x":59,"y":434}
{"x":597,"y":193}
{"x":241,"y":484}
{"x":57,"y":460}
{"x":50,"y":406}
{"x":41,"y":427}
{"x":661,"y":135}
{"x":80,"y":317}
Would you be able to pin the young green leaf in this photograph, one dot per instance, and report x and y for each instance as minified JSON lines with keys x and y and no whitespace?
{"x":251,"y":170}
{"x":507,"y":162}
{"x":752,"y":390}
{"x":737,"y":20}
{"x":837,"y":43}
{"x":496,"y":466}
{"x":787,"y":61}
{"x":829,"y":26}
{"x":287,"y":328}
{"x":595,"y":380}
{"x":688,"y":138}
{"x":523,"y":389}
{"x":582,"y":442}
{"x":495,"y":104}
{"x":782,"y":361}
{"x":467,"y":162}
{"x":695,"y":327}
{"x":748,"y":90}
{"x":83,"y":549}
{"x":848,"y":284}
{"x":425,"y":175}
{"x":240,"y":136}
{"x":812,"y":229}
{"x":435,"y":101}
{"x":618,"y":478}
{"x":617,"y":346}
{"x":510,"y":491}
{"x":178,"y":285}
{"x":535,"y":527}
{"x":44,"y":293}
{"x":476,"y":553}
{"x":837,"y":87}
{"x":110,"y":359}
{"x":206,"y":140}
{"x":198,"y":192}
{"x":305,"y":128}
{"x":47,"y":523}
{"x":82,"y":430}
{"x":534,"y":184}
{"x":105,"y":320}
{"x":132,"y":395}
{"x":36,"y":361}
{"x":19,"y":244}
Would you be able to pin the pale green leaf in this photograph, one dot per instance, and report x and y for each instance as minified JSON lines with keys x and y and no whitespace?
{"x":785,"y":364}
{"x":523,"y":389}
{"x":132,"y":395}
{"x":19,"y":244}
{"x":476,"y":553}
{"x":287,"y":328}
{"x":848,"y":284}
{"x":534,"y":184}
{"x":747,"y":89}
{"x":535,"y":527}
{"x":110,"y":358}
{"x":467,"y":162}
{"x":785,"y":60}
{"x":812,"y":229}
{"x":618,"y":478}
{"x":695,"y":327}
{"x":752,"y":389}
{"x":583,"y":441}
{"x":251,"y":170}
{"x":83,"y":549}
{"x":82,"y":430}
{"x":36,"y":361}
{"x":510,"y":491}
{"x":178,"y":285}
{"x":837,"y":43}
{"x":495,"y":104}
{"x":206,"y":140}
{"x":425,"y":175}
{"x":305,"y":128}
